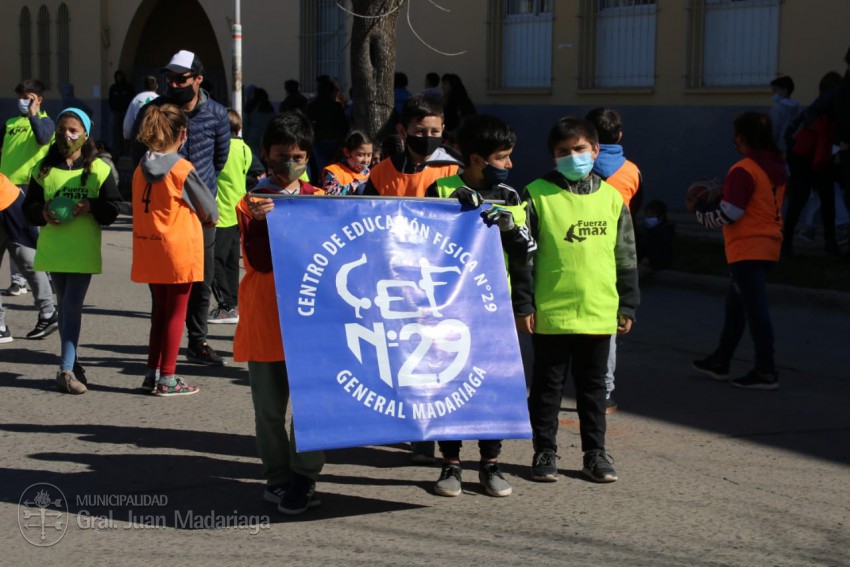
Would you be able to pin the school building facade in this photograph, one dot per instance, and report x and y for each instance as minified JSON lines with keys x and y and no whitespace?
{"x":679,"y":71}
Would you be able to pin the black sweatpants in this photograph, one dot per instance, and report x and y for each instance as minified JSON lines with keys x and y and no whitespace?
{"x":586,"y":357}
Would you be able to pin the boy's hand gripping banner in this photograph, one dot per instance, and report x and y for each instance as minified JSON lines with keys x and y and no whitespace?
{"x":396,"y":321}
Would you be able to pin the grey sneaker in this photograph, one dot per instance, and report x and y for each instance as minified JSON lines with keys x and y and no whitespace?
{"x":544,"y":467}
{"x":67,"y":382}
{"x":597,"y":466}
{"x":15,"y":289}
{"x":449,"y":482}
{"x":220,"y":315}
{"x":491,"y":478}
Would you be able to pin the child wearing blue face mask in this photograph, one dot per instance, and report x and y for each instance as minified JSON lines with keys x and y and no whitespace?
{"x":582,"y":288}
{"x":349,"y":175}
{"x":486,"y":144}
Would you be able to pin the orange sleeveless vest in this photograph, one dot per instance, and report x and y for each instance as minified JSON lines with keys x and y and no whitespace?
{"x":626,"y":181}
{"x":757,"y":235}
{"x":344,"y":175}
{"x":390,"y":182}
{"x":8,"y":192}
{"x":257,"y":337}
{"x":168,"y":243}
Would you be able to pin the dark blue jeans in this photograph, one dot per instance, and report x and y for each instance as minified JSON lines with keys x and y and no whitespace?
{"x":746,"y":302}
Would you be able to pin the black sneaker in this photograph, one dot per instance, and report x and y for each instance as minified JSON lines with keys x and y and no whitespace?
{"x":299,"y":496}
{"x":6,"y":336}
{"x":544,"y":467}
{"x":204,"y":354}
{"x":597,"y":466}
{"x":274,"y":494}
{"x":755,"y":380}
{"x":45,"y":326}
{"x":711,"y":367}
{"x":611,"y":406}
{"x":15,"y":289}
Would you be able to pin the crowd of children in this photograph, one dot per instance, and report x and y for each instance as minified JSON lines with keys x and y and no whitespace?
{"x":573,"y":290}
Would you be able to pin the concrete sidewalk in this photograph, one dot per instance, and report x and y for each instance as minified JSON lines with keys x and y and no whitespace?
{"x":709,"y":475}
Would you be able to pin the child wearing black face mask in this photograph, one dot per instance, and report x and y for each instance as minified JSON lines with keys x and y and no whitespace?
{"x":409,"y":173}
{"x":349,"y":175}
{"x":486,"y":144}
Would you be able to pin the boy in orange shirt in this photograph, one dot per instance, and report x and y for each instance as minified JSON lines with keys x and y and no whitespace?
{"x":290,"y":476}
{"x":624,"y":176}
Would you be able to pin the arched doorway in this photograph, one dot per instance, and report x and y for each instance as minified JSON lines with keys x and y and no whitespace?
{"x":159,"y":29}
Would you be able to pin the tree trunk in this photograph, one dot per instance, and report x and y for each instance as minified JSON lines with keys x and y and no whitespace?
{"x":373,"y":50}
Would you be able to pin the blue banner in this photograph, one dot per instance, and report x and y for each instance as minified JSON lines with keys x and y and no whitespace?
{"x":396,"y":321}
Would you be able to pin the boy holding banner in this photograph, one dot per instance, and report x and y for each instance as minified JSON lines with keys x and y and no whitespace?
{"x":410,"y":172}
{"x":423,"y":161}
{"x":486,"y":144}
{"x":582,"y":288}
{"x":290,"y":476}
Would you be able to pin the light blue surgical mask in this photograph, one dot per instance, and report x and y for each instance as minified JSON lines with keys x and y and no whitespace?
{"x":776,"y":97}
{"x":651,"y":222}
{"x":24,"y":105}
{"x":575,"y":166}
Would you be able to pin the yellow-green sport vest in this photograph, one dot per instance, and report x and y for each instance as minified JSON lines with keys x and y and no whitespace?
{"x":448,"y":185}
{"x":21,"y":151}
{"x":231,"y":182}
{"x":73,"y":247}
{"x":575,"y":274}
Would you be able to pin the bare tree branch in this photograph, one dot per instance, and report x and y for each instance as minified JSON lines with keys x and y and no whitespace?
{"x":438,"y":6}
{"x":425,"y":43}
{"x":356,"y":15}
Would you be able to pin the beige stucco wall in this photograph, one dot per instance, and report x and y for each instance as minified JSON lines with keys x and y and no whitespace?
{"x":812,"y":41}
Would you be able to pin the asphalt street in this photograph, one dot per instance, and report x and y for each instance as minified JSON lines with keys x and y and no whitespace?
{"x":709,"y":474}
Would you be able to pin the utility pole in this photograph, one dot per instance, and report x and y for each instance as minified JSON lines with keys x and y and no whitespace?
{"x":236,"y":101}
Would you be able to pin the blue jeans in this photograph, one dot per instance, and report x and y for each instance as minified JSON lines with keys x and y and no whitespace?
{"x":746,"y":302}
{"x":71,"y":291}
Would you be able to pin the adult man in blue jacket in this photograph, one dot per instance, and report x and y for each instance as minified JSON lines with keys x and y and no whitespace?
{"x":207,"y":147}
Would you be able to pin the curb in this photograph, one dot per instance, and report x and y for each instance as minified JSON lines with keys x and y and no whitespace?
{"x":779,"y":293}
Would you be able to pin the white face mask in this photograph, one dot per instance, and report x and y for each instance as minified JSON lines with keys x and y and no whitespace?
{"x":24,"y":105}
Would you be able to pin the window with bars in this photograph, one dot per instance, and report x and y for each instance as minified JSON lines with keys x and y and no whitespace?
{"x":26,"y":43}
{"x":617,"y":43}
{"x":732,"y":42}
{"x":63,"y":43}
{"x":520,"y":44}
{"x":325,"y":33}
{"x":43,"y":24}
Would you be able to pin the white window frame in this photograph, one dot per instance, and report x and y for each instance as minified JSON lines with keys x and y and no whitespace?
{"x":520,"y":44}
{"x":733,"y":43}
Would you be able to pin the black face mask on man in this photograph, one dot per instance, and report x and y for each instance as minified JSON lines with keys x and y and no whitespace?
{"x":181,"y":95}
{"x":423,"y":145}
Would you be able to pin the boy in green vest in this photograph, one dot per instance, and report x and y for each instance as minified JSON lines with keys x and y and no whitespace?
{"x":232,"y":185}
{"x":26,"y":139}
{"x":582,"y":288}
{"x":486,"y":144}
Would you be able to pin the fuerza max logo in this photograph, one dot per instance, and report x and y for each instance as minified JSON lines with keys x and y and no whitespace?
{"x":580,"y":231}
